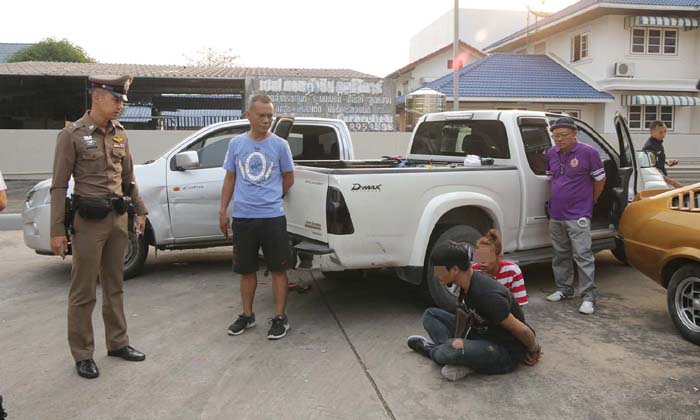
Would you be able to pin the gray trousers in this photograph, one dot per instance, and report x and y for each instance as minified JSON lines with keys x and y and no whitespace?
{"x":573,"y":241}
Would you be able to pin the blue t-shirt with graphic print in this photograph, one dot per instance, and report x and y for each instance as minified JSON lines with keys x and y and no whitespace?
{"x":259,"y":166}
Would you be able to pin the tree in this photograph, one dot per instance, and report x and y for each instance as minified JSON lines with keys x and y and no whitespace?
{"x":50,"y":49}
{"x":212,"y":57}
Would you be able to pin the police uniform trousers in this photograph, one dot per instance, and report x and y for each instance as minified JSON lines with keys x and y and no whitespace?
{"x":99,"y":247}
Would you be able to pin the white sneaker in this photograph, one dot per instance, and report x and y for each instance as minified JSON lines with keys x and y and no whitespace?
{"x":556,"y":296}
{"x":454,"y":372}
{"x":586,"y":307}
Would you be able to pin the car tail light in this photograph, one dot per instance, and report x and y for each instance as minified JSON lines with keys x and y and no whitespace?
{"x":337,"y":214}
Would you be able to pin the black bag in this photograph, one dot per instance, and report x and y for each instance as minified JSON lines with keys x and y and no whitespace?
{"x":461,"y":321}
{"x":93,"y":208}
{"x":467,"y":319}
{"x":464,"y":318}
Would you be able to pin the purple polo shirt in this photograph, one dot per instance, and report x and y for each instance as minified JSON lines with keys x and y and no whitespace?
{"x":573,"y":175}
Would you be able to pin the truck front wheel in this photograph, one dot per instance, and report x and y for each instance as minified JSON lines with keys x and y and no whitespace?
{"x":445,"y":297}
{"x":135,"y":256}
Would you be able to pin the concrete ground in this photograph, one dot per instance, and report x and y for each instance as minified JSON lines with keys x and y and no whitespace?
{"x":344,"y":358}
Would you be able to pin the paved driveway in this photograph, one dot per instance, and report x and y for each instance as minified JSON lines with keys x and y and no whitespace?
{"x":344,"y":358}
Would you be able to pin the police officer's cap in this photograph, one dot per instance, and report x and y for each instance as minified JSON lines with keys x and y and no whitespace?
{"x":563,"y":122}
{"x":116,"y":85}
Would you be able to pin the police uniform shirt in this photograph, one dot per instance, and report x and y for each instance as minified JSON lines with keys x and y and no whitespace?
{"x":99,"y":162}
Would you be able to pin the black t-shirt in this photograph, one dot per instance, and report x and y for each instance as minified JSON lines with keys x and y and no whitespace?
{"x":656,"y":146}
{"x":493,"y":302}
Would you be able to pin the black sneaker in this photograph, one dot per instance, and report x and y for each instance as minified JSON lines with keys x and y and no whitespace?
{"x":420,"y":344}
{"x":279,"y":327}
{"x":3,"y":413}
{"x":242,"y":323}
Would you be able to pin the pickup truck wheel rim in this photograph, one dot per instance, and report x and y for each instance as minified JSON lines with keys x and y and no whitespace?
{"x":688,"y":303}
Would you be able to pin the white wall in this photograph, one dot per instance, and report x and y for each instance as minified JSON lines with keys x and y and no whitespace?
{"x":477,"y":27}
{"x":611,"y":42}
{"x":601,"y":49}
{"x":29,"y":153}
{"x":431,"y":38}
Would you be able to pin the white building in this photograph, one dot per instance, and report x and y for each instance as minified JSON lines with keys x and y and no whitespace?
{"x":477,"y":28}
{"x":645,"y":53}
{"x":431,"y":66}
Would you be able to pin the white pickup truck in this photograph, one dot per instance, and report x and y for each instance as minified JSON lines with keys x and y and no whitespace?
{"x":359,"y":215}
{"x":182,"y":187}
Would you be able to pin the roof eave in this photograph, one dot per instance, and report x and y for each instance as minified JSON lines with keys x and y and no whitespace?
{"x":531,"y":99}
{"x":610,"y":7}
{"x":411,"y":66}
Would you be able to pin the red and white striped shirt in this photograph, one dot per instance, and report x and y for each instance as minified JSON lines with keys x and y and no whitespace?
{"x":510,"y":276}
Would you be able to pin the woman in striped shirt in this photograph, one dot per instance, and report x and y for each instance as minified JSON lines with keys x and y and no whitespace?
{"x":489,"y":253}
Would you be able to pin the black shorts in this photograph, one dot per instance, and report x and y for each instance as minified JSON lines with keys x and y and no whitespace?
{"x":251,"y":234}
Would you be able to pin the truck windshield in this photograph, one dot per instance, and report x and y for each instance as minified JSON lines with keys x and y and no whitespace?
{"x":485,"y":138}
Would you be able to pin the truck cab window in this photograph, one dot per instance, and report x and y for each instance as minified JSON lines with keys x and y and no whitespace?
{"x":536,"y":142}
{"x":585,"y":137}
{"x":213,"y":147}
{"x":309,"y":142}
{"x":485,"y":138}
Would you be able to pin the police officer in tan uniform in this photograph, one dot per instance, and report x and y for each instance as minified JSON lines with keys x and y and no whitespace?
{"x":95,"y":151}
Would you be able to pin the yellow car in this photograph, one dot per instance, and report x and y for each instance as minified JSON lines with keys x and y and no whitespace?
{"x":661,"y":233}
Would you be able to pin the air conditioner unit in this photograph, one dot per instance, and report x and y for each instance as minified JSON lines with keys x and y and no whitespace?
{"x":425,"y":80}
{"x":624,"y":69}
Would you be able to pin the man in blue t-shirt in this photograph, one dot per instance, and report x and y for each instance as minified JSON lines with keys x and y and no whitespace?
{"x":259,"y":171}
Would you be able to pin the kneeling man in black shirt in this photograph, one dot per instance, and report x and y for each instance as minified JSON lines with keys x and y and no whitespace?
{"x":496,"y":343}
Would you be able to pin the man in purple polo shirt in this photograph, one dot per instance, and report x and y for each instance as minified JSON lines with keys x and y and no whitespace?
{"x":578,"y":178}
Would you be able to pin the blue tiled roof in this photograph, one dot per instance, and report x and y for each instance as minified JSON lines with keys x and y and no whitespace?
{"x":7,"y":49}
{"x":584,"y":4}
{"x":517,"y":76}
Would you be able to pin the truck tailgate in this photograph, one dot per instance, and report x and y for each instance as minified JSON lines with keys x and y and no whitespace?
{"x":305,"y":204}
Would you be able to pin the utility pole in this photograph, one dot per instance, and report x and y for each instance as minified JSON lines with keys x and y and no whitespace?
{"x":455,"y":62}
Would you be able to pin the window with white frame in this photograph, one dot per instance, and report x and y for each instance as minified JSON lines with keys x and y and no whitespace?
{"x":641,"y":116}
{"x":576,"y":113}
{"x":655,"y":41}
{"x":580,"y":47}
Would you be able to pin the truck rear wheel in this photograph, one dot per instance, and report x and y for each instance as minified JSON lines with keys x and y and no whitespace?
{"x":438,"y":295}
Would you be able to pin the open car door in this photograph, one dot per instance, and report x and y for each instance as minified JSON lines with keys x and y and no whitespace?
{"x":282,"y":126}
{"x":628,"y":170}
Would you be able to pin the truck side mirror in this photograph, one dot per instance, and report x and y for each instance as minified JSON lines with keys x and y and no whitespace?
{"x":646,"y":159}
{"x":186,"y":160}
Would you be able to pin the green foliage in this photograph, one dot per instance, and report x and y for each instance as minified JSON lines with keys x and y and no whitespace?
{"x":50,"y":49}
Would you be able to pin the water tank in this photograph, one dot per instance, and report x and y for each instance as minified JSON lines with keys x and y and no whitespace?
{"x":423,"y":101}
